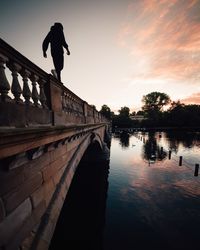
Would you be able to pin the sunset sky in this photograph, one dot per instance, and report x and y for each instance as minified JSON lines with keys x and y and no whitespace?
{"x":120,"y":49}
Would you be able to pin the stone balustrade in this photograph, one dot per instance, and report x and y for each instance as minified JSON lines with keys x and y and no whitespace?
{"x":31,"y":97}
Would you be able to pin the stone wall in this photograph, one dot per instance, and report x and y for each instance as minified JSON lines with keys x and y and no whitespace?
{"x":32,"y":192}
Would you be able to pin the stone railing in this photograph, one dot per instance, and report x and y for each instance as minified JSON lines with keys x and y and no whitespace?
{"x":31,"y":97}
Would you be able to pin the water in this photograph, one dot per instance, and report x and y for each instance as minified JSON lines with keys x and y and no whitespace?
{"x":153,"y":203}
{"x":145,"y":201}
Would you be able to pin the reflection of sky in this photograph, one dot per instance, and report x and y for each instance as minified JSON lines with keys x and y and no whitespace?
{"x":121,"y":50}
{"x":163,"y":196}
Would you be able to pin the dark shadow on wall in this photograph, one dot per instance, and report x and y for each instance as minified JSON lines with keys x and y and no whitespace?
{"x":82,"y":219}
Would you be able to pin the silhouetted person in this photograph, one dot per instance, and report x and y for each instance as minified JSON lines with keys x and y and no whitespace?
{"x":57,"y":40}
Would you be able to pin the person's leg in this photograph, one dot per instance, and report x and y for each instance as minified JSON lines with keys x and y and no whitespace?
{"x":53,"y":71}
{"x":58,"y":72}
{"x":58,"y":60}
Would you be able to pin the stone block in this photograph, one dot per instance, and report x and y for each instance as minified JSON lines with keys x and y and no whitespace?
{"x":36,"y":165}
{"x":48,"y":232}
{"x":55,"y":154}
{"x":10,"y":180}
{"x":58,"y":175}
{"x":42,"y":245}
{"x":14,"y":198}
{"x":54,"y":167}
{"x":27,"y":227}
{"x":26,"y":244}
{"x":44,"y":193}
{"x":13,"y":222}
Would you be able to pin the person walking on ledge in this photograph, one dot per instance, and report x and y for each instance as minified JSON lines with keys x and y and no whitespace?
{"x":57,"y":40}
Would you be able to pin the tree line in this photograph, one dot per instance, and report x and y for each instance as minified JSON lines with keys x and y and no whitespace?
{"x":158,"y":110}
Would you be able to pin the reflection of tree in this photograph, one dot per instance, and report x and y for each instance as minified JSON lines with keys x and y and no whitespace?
{"x":151,"y":151}
{"x":187,"y":139}
{"x":123,"y":138}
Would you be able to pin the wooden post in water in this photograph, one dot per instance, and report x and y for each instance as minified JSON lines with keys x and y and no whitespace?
{"x":196,"y":171}
{"x":180,"y":160}
{"x":170,"y":152}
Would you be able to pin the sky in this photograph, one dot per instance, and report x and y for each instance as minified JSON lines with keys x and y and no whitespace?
{"x":120,"y":50}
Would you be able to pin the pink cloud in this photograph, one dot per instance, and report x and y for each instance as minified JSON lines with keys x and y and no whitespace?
{"x":167,"y":35}
{"x":193,"y":99}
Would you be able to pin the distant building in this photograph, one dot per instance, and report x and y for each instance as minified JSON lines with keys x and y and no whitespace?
{"x":138,"y":118}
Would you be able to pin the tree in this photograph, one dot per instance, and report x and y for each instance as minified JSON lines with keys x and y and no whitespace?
{"x":140,"y":112}
{"x":133,"y":113}
{"x":106,"y":111}
{"x":155,"y":101}
{"x":153,"y":107}
{"x":123,"y":119}
{"x":124,"y":111}
{"x":176,"y":105}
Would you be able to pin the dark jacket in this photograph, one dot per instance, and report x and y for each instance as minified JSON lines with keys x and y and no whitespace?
{"x":57,"y":41}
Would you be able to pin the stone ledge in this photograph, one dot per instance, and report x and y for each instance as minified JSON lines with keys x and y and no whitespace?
{"x":15,"y":141}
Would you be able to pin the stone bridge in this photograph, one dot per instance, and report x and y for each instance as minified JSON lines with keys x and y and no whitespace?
{"x":45,"y":129}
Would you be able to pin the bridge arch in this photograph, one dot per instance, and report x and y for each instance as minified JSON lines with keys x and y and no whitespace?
{"x":93,"y":141}
{"x":81,"y":221}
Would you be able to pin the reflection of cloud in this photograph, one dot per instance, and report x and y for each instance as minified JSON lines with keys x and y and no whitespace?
{"x":192,"y":189}
{"x":163,"y":38}
{"x":193,"y":99}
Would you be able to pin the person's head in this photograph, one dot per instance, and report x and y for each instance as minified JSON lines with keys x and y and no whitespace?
{"x":58,"y":26}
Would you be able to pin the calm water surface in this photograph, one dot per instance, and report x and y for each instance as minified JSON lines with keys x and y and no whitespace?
{"x":141,"y":200}
{"x":152,"y":202}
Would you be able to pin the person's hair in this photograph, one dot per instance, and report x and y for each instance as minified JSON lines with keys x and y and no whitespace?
{"x":58,"y":25}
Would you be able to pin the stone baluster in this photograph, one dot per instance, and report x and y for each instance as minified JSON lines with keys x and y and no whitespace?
{"x":16,"y":88}
{"x":35,"y":95}
{"x":67,"y":102}
{"x":66,"y":106}
{"x":43,"y":98}
{"x":73,"y":105}
{"x":70,"y":103}
{"x":63,"y":101}
{"x":4,"y":84}
{"x":26,"y":90}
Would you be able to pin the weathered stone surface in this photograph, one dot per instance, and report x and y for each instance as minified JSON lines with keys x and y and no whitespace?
{"x":48,"y":232}
{"x":10,"y":180}
{"x":49,"y":171}
{"x":42,"y":245}
{"x":26,"y":244}
{"x":13,"y":199}
{"x":20,"y":115}
{"x":58,"y":152}
{"x":18,"y":161}
{"x":11,"y":224}
{"x":35,"y":166}
{"x":27,"y":226}
{"x":44,"y":193}
{"x":58,"y":175}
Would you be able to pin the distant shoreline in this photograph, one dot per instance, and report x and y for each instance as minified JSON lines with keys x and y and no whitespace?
{"x":193,"y":129}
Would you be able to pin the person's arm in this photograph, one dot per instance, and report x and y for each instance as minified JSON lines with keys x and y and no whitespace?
{"x":45,"y":44}
{"x":65,"y":45}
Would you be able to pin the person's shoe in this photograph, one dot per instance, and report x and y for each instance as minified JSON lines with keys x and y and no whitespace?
{"x":54,"y":73}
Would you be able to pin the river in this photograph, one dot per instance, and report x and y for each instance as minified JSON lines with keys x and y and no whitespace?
{"x":141,"y":200}
{"x":153,"y":203}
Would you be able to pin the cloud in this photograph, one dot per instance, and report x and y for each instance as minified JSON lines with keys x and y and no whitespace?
{"x":163,"y":38}
{"x":193,"y":99}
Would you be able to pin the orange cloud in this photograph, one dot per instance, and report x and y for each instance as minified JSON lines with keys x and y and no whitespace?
{"x":193,"y":99}
{"x":166,"y":34}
